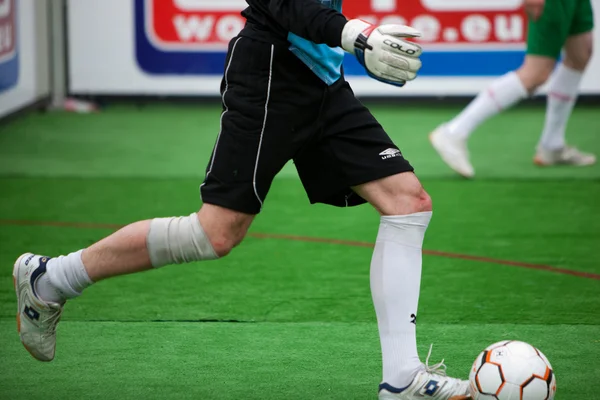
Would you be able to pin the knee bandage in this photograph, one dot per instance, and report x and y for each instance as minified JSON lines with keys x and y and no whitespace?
{"x":178,"y":240}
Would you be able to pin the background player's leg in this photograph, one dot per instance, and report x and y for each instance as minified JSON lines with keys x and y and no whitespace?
{"x":449,"y":139}
{"x":545,"y":40}
{"x":503,"y":93}
{"x":213,"y":232}
{"x":405,"y":210}
{"x":562,"y":95}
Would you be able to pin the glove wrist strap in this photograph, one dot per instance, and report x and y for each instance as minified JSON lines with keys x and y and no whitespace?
{"x":352,"y":32}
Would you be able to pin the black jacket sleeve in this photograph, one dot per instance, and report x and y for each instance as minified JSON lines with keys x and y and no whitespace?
{"x":309,"y":19}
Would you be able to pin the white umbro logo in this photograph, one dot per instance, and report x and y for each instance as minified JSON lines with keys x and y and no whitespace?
{"x":389,"y":153}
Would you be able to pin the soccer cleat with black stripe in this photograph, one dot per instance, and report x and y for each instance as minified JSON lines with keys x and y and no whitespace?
{"x":36,"y":319}
{"x":430,"y":383}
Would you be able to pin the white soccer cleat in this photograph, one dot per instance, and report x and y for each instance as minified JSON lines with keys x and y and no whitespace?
{"x":565,"y":156}
{"x":430,"y":383}
{"x":453,"y":151}
{"x":36,"y":319}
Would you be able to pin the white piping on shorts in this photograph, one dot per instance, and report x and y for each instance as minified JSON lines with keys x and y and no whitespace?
{"x":262,"y":132}
{"x":214,"y":154}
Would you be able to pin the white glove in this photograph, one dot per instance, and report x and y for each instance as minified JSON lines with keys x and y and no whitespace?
{"x":382,"y":51}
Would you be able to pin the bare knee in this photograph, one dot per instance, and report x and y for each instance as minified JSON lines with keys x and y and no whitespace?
{"x":404,"y":202}
{"x":535,"y":71}
{"x":225,"y":228}
{"x":399,"y":194}
{"x":410,"y":202}
{"x":424,"y":202}
{"x":224,"y":244}
{"x":578,"y":51}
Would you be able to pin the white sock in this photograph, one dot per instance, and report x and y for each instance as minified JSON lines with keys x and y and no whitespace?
{"x":562,"y":94}
{"x":395,"y":287}
{"x":64,"y":279}
{"x":503,"y":93}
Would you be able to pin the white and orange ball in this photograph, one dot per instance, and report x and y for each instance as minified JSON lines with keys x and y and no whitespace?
{"x":512,"y":370}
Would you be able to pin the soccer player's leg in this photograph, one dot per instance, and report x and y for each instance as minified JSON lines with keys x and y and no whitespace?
{"x":405,"y":210}
{"x":236,"y":185}
{"x":563,"y":90}
{"x":546,"y":37}
{"x":354,"y":161}
{"x":43,"y":284}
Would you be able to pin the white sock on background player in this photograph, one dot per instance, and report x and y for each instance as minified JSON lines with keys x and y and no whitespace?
{"x":395,"y":287}
{"x":65,"y":278}
{"x":503,"y":93}
{"x":562,"y":94}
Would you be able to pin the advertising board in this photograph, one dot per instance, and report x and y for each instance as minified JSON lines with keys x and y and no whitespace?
{"x":178,"y":47}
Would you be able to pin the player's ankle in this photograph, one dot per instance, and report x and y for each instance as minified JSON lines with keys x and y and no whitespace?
{"x":403,"y":376}
{"x":67,"y":275}
{"x":47,"y":292}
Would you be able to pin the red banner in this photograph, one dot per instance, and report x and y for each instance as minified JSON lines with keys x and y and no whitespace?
{"x":210,"y":24}
{"x":204,"y":23}
{"x":449,"y":21}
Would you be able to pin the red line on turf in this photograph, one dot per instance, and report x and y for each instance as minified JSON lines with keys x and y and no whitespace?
{"x":59,"y":224}
{"x":310,"y":239}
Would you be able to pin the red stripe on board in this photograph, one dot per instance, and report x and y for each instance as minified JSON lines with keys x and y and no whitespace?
{"x":310,"y":239}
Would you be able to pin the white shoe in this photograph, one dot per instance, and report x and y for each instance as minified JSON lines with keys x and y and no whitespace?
{"x":430,"y":383}
{"x":453,"y":151}
{"x":36,"y":319}
{"x":565,"y":156}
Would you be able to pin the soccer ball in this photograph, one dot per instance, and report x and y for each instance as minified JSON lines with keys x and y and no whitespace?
{"x":512,"y":370}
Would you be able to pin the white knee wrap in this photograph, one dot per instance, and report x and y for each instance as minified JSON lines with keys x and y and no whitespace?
{"x":178,"y":240}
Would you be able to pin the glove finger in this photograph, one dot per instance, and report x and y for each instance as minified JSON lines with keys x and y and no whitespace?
{"x":411,"y":76}
{"x":399,"y":31}
{"x":387,"y":78}
{"x":401,"y":74}
{"x":401,"y":62}
{"x":392,"y":73}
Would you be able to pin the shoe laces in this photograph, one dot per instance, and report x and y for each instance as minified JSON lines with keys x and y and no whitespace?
{"x":436,"y":369}
{"x":454,"y":386}
{"x":51,"y":322}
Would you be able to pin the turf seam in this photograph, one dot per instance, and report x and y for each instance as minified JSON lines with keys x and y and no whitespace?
{"x":187,"y":321}
{"x":259,"y":322}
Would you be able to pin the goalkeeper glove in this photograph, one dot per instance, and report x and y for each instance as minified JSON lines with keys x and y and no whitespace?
{"x":383,"y":51}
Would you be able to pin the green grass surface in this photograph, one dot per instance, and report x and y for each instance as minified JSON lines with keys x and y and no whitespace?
{"x":307,"y":327}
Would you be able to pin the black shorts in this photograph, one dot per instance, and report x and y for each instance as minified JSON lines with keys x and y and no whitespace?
{"x":276,"y":109}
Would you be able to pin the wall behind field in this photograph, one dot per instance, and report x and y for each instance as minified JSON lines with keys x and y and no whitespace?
{"x":177,"y":47}
{"x":24,"y":68}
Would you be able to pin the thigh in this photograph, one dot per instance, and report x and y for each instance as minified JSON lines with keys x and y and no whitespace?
{"x":583,"y":18}
{"x":546,"y":36}
{"x":256,"y":136}
{"x":352,"y":149}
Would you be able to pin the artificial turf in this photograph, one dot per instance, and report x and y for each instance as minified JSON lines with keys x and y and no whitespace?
{"x":291,"y":317}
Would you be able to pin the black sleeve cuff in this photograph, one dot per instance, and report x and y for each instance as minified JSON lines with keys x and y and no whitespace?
{"x":333,"y":31}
